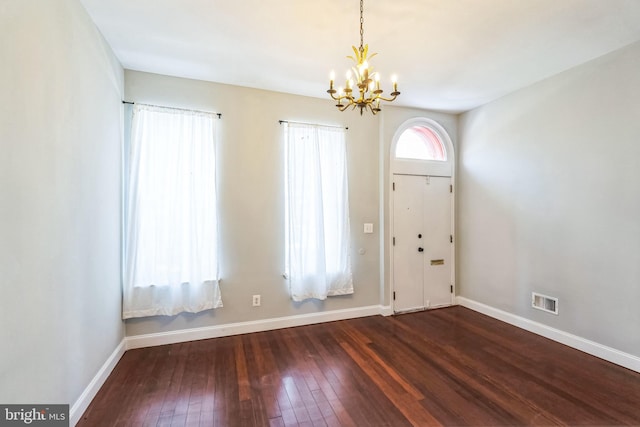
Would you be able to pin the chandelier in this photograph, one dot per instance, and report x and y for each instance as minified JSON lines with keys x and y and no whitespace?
{"x":366,"y":83}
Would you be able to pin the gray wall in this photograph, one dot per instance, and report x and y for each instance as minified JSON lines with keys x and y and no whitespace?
{"x":250,"y":188}
{"x":549,"y":200}
{"x":250,"y":185}
{"x":59,"y":201}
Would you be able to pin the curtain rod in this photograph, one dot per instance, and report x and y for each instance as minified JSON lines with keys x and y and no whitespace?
{"x":312,"y":124}
{"x":180,"y":109}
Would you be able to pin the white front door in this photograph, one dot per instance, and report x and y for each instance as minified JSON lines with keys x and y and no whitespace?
{"x":408,"y":213}
{"x":422,"y":242}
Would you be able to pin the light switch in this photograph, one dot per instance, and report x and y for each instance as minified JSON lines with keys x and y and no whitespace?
{"x":368,"y":228}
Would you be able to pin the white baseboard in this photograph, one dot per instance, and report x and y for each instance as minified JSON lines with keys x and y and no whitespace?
{"x":77,"y":409}
{"x":216,"y":331}
{"x":386,"y":310}
{"x":609,"y":354}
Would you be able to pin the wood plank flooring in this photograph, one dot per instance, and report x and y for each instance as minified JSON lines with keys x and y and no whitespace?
{"x":449,"y":367}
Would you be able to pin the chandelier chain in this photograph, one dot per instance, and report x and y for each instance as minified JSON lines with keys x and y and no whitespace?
{"x":361,"y":26}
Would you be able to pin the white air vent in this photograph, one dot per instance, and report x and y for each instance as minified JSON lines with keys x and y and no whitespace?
{"x":544,"y":303}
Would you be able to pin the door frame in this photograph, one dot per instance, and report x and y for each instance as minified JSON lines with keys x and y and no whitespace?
{"x":421,"y":168}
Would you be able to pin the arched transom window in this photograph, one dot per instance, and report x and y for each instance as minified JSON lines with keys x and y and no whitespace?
{"x":420,"y":143}
{"x":421,"y":146}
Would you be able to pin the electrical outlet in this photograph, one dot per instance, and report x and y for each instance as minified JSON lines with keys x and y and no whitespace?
{"x":256,"y":300}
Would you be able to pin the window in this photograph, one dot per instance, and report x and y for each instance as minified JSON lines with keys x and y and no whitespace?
{"x":171,"y":253}
{"x":420,"y":143}
{"x":318,"y":262}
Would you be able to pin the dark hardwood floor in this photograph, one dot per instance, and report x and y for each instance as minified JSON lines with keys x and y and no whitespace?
{"x":450,"y":367}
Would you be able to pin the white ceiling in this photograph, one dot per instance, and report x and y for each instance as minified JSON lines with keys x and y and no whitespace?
{"x":449,"y":55}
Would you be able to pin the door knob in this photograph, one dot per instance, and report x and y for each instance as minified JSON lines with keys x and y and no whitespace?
{"x":419,"y":236}
{"x":420,"y":249}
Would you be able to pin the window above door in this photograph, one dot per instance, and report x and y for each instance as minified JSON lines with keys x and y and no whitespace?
{"x":421,"y":146}
{"x":420,"y":143}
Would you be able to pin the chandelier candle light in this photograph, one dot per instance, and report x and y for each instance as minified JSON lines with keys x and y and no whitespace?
{"x":366,"y":80}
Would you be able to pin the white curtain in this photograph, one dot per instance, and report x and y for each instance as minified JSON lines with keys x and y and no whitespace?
{"x":170,"y":251}
{"x":318,"y":259}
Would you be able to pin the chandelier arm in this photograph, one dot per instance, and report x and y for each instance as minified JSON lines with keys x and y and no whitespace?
{"x":341,"y":97}
{"x":388,"y":99}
